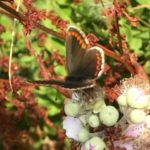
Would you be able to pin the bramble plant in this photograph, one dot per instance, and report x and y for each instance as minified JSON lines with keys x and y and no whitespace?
{"x":114,"y":114}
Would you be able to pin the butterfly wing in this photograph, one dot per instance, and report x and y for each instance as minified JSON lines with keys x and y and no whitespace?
{"x":76,"y":44}
{"x":91,"y":67}
{"x":92,"y":64}
{"x":82,"y":63}
{"x":68,"y":85}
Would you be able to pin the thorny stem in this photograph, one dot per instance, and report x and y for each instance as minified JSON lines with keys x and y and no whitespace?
{"x":139,"y":7}
{"x":118,"y":31}
{"x":108,"y":52}
{"x":22,"y":18}
{"x":118,"y":58}
{"x":144,"y":22}
{"x":119,"y":36}
{"x":64,"y":92}
{"x":110,"y":22}
{"x":139,"y":69}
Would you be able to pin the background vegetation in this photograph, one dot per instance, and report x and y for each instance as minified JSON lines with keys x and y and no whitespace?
{"x":30,"y":116}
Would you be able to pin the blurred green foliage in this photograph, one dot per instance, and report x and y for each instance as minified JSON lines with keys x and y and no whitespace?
{"x":87,"y":16}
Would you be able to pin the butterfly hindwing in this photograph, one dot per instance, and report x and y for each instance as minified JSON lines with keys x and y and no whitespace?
{"x":92,"y":63}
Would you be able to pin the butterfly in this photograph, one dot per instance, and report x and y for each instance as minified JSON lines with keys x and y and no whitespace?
{"x":84,"y":64}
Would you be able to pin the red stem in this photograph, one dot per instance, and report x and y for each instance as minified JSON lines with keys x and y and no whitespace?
{"x":22,"y":18}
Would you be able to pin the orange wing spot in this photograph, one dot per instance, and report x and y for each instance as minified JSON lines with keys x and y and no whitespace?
{"x":96,"y":73}
{"x":81,"y":41}
{"x":97,"y":68}
{"x":83,"y":46}
{"x":78,"y":37}
{"x":98,"y":58}
{"x":98,"y":62}
{"x":69,"y":33}
{"x":97,"y":55}
{"x":73,"y":33}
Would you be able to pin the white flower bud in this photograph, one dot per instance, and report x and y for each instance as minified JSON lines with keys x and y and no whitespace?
{"x":83,"y":135}
{"x":83,"y":119}
{"x":98,"y":106}
{"x":136,"y":98}
{"x":147,"y":120}
{"x":95,"y":143}
{"x":122,"y":100}
{"x":109,"y":115}
{"x":137,"y":116}
{"x":72,"y":108}
{"x":93,"y":120}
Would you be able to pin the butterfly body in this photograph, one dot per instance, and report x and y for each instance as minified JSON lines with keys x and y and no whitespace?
{"x":84,"y":64}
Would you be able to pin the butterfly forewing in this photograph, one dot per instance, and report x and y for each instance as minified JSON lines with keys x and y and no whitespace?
{"x":76,"y":43}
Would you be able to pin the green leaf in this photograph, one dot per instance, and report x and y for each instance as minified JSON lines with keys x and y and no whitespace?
{"x":10,"y":96}
{"x":60,"y":71}
{"x":142,"y":2}
{"x":49,"y":130}
{"x":53,"y":110}
{"x":57,"y":45}
{"x":147,"y":67}
{"x":136,"y":44}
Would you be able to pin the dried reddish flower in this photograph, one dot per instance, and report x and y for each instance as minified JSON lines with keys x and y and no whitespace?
{"x":2,"y":29}
{"x":56,"y":57}
{"x":96,"y":1}
{"x":2,"y":42}
{"x":76,"y":2}
{"x":112,"y":134}
{"x":4,"y":62}
{"x":111,"y":94}
{"x":106,"y":69}
{"x":39,"y":60}
{"x":16,"y":82}
{"x":33,"y":16}
{"x":41,"y":39}
{"x":11,"y":1}
{"x":28,"y":1}
{"x":60,"y":23}
{"x":61,"y":143}
{"x":92,"y":39}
